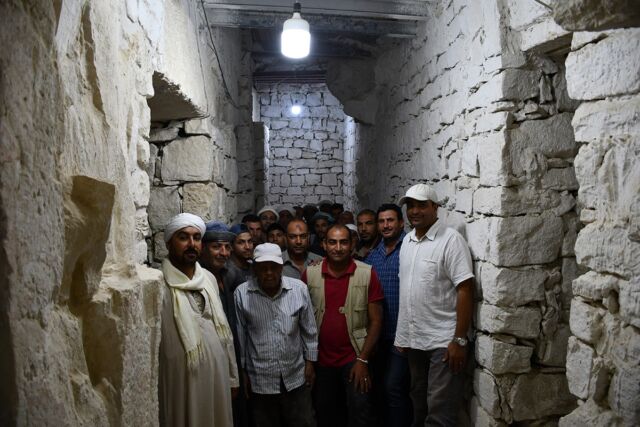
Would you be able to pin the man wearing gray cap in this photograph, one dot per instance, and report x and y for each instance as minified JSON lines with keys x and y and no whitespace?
{"x":197,"y":361}
{"x":278,"y":341}
{"x":436,"y":306}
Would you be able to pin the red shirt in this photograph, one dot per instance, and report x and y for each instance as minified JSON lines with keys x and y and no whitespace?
{"x":334,"y":345}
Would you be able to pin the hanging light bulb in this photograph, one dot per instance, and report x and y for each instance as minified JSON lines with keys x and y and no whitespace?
{"x":295,"y":40}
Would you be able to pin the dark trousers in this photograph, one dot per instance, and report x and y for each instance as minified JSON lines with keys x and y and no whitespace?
{"x":338,"y":403}
{"x":287,"y":409}
{"x":436,"y":392}
{"x":392,"y":385}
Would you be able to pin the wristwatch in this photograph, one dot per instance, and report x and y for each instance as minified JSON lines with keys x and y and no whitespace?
{"x":462,"y":342}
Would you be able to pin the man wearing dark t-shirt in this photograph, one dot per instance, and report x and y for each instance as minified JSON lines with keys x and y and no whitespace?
{"x":347,"y":298}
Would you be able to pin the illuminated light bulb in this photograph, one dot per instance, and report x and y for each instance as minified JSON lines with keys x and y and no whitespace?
{"x":295,"y":41}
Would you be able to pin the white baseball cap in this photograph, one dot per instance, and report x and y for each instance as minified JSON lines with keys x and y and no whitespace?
{"x":268,"y":252}
{"x":269,"y":209}
{"x":420,"y":192}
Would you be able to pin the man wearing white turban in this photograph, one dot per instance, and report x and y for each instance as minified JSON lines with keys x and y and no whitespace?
{"x":198,"y":371}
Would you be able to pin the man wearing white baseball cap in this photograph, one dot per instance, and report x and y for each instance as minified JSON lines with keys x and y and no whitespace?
{"x":278,"y":341}
{"x":436,"y":306}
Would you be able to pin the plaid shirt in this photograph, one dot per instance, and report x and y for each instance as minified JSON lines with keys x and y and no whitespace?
{"x":388,"y":269}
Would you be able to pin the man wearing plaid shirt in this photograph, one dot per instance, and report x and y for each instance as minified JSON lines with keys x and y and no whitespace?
{"x":391,"y":363}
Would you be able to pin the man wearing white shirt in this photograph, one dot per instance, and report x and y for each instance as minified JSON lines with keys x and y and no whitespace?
{"x":436,"y":306}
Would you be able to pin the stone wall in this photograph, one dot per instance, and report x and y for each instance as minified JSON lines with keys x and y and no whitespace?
{"x":477,"y":106}
{"x":603,"y":360}
{"x":306,"y":152}
{"x":79,"y":313}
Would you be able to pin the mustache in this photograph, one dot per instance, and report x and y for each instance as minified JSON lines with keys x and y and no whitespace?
{"x":191,"y":251}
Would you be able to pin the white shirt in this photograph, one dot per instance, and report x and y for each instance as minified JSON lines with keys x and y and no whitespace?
{"x":430,"y":270}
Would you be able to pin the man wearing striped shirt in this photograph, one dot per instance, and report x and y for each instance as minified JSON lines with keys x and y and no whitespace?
{"x":278,"y":342}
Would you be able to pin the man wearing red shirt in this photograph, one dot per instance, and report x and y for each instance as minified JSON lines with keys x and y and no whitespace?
{"x":347,"y":299}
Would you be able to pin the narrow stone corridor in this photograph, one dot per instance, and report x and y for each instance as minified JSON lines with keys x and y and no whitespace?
{"x":523,"y":114}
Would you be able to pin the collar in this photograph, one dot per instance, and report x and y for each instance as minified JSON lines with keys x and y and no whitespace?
{"x":350,"y":270}
{"x":431,"y":233}
{"x":253,"y":285}
{"x":381,"y":247}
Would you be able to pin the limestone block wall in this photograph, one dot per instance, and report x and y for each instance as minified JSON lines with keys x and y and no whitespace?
{"x":306,"y":152}
{"x":79,"y":313}
{"x":603,"y":359}
{"x":477,"y":106}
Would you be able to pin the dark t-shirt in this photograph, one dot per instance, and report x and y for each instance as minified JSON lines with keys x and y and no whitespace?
{"x":334,"y":344}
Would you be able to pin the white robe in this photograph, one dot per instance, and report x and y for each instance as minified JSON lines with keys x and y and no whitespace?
{"x":203,"y":397}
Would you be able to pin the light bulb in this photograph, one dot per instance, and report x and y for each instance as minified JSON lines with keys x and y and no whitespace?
{"x":295,"y":41}
{"x":296,"y":109}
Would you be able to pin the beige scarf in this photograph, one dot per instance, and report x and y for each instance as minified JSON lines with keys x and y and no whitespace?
{"x":184,"y":315}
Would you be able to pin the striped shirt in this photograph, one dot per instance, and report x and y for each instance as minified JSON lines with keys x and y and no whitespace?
{"x":276,"y":334}
{"x":388,"y":268}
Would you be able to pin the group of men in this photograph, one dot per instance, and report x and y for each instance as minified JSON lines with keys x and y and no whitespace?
{"x":293,"y":319}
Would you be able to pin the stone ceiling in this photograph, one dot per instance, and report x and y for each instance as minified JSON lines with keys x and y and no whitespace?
{"x":339,"y":29}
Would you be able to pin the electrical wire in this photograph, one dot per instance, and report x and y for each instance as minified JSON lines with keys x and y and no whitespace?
{"x":543,"y":4}
{"x":215,"y":51}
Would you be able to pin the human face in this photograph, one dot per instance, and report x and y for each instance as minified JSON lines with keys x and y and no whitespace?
{"x":345,"y":218}
{"x":269,"y":275}
{"x":338,"y":245}
{"x":335,"y":212}
{"x":297,"y":238}
{"x":367,"y":227}
{"x":321,"y":226}
{"x":421,"y":214}
{"x":267,"y":218}
{"x":216,"y":254}
{"x":255,"y":228}
{"x":389,"y":225}
{"x":277,"y":237}
{"x":185,"y":247}
{"x":285,"y":218}
{"x":243,"y":246}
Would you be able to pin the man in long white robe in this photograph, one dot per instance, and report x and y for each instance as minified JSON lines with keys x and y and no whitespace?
{"x":197,"y":362}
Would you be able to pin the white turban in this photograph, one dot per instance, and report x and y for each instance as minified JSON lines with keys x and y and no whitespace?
{"x":181,"y":221}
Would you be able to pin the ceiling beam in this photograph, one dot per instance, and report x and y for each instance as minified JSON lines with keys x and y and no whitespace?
{"x":385,"y":9}
{"x":318,"y":23}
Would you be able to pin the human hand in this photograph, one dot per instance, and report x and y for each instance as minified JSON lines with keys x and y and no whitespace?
{"x":359,"y":376}
{"x":456,"y":356}
{"x":309,"y":374}
{"x":247,"y":385}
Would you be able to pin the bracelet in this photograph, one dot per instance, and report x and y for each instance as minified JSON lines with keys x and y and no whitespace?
{"x":366,"y":362}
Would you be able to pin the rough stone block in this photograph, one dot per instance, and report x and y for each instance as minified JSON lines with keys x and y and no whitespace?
{"x":500,"y":357}
{"x":579,"y":364}
{"x":629,"y":298}
{"x":480,"y":417}
{"x":492,"y":158}
{"x":163,"y":134}
{"x":204,"y":200}
{"x":586,"y":321}
{"x":329,"y":179}
{"x":577,"y":15}
{"x":609,"y":117}
{"x":552,"y":351}
{"x":522,"y":322}
{"x":589,"y":414}
{"x":487,"y":392}
{"x":312,"y":179}
{"x":535,"y":396}
{"x":624,"y":393}
{"x":595,"y":286}
{"x":160,"y":250}
{"x":322,"y":190}
{"x":271,"y":111}
{"x":607,"y":248}
{"x":560,"y":179}
{"x":140,"y":188}
{"x":510,"y":287}
{"x":516,"y":241}
{"x":544,"y":36}
{"x":188,"y":159}
{"x":164,"y":204}
{"x":609,"y":67}
{"x":198,"y":127}
{"x":552,"y":137}
{"x":313,"y":99}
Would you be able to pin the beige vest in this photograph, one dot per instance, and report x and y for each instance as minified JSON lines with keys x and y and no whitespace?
{"x":355,"y":306}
